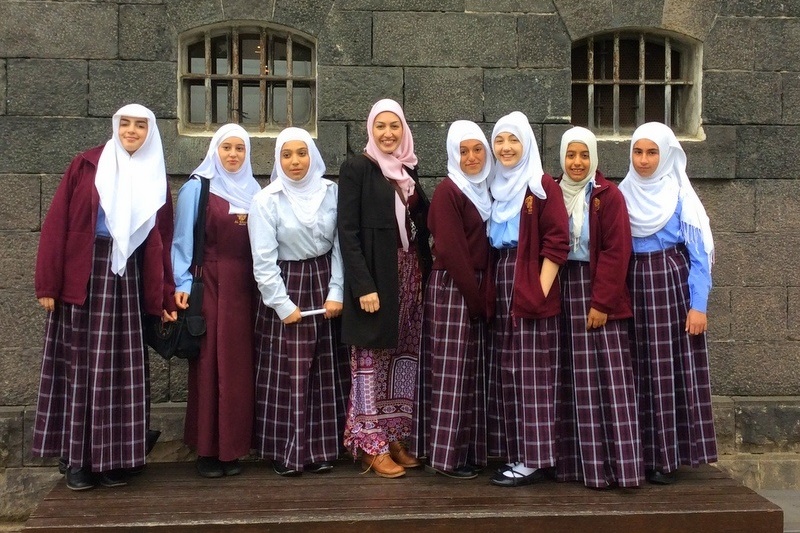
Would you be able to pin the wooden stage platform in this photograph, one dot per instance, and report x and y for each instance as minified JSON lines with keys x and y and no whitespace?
{"x":170,"y":497}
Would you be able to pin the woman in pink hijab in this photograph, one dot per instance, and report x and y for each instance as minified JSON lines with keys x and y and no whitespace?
{"x":384,"y":241}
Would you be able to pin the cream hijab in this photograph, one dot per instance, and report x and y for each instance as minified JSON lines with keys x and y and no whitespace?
{"x":305,"y":195}
{"x":132,"y":188}
{"x":237,"y":188}
{"x":652,"y":201}
{"x":508,"y":187}
{"x":476,"y":187}
{"x":575,"y":191}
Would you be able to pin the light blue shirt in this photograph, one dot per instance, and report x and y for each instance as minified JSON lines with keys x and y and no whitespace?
{"x":504,"y":234}
{"x":581,"y":253}
{"x":276,"y":234}
{"x":183,"y":238}
{"x":699,"y":267}
{"x":101,"y":229}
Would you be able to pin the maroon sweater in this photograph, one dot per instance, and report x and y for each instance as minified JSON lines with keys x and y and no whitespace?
{"x":64,"y":258}
{"x":610,"y":246}
{"x":460,"y":244}
{"x":543,"y":232}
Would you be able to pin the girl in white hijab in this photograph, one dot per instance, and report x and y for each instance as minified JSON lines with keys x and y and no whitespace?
{"x":455,"y":311}
{"x":103,"y":260}
{"x":599,"y":441}
{"x":298,"y":269}
{"x":528,"y":229}
{"x":219,"y":410}
{"x":670,"y":280}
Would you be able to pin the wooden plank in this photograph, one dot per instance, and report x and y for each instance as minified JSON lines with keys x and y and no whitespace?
{"x":171,"y":497}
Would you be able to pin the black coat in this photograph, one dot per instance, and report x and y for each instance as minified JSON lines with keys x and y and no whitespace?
{"x":368,"y":236}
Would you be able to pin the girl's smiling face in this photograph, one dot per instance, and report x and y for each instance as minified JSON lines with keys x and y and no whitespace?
{"x":507,"y":149}
{"x":577,"y":161}
{"x":387,"y":130}
{"x":132,"y":132}
{"x":473,"y":156}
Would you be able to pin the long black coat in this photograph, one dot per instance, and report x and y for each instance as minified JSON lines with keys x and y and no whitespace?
{"x":368,"y":236}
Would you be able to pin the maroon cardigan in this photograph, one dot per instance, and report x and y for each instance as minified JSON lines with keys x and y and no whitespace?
{"x":64,"y":258}
{"x":610,"y":247}
{"x":461,"y":246}
{"x":543,"y":232}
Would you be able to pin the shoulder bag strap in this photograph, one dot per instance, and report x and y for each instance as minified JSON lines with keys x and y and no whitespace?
{"x":200,"y":228}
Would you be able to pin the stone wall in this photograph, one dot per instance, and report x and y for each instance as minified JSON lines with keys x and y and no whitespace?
{"x":66,"y":66}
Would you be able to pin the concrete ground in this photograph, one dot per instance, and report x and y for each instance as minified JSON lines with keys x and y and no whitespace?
{"x":789,"y":501}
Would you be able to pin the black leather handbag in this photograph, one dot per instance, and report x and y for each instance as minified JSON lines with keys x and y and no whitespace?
{"x":182,"y":338}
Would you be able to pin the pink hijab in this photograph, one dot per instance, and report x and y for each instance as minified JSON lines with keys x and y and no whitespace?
{"x":393,"y":165}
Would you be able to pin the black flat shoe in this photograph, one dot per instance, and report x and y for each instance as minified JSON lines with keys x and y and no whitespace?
{"x":658,"y":478}
{"x":112,"y":478}
{"x":209,"y":467}
{"x":282,"y":470}
{"x":232,"y":468}
{"x":462,"y":472}
{"x":318,"y":468}
{"x":502,"y":480}
{"x":79,"y":479}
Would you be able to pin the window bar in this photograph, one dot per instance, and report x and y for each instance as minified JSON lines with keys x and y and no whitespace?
{"x":270,"y":102}
{"x":262,"y":82}
{"x":207,"y":82}
{"x":667,"y":84}
{"x":289,"y":85}
{"x":590,"y":85}
{"x":616,"y":83}
{"x":236,"y":115}
{"x":641,"y":99}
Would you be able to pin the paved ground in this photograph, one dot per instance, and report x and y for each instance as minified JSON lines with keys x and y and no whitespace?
{"x":789,"y":501}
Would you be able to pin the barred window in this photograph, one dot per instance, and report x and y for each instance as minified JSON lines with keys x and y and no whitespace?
{"x":262,"y":77}
{"x":622,"y":80}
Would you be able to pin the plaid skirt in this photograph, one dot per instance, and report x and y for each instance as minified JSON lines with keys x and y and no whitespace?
{"x":599,"y":440}
{"x":298,"y":391}
{"x":92,"y":405}
{"x":522,"y":365}
{"x":670,"y":366}
{"x":384,"y":382}
{"x":451,"y":415}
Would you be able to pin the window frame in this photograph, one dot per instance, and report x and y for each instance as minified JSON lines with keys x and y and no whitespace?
{"x":266,"y":79}
{"x":686,"y":108}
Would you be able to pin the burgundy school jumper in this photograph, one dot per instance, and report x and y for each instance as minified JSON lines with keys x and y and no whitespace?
{"x":599,"y":441}
{"x":522,"y":363}
{"x":93,"y":396}
{"x":219,"y":412}
{"x":452,"y":425}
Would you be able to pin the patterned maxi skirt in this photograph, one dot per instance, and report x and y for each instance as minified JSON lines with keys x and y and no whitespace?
{"x":299,"y":405}
{"x":452,"y":425}
{"x":670,"y":366}
{"x":522,"y":366}
{"x":599,"y":441}
{"x":384,"y":381}
{"x":92,"y":406}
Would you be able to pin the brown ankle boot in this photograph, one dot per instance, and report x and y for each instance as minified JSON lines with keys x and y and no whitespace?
{"x":401,"y":456}
{"x":382,"y":465}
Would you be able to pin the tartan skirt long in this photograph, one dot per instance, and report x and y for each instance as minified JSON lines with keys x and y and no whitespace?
{"x":522,"y":366}
{"x":599,"y":440}
{"x":299,"y":405}
{"x":452,"y":425}
{"x":670,"y":366}
{"x":92,"y":405}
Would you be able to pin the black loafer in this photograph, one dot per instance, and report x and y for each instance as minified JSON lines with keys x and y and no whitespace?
{"x":232,"y":468}
{"x":112,"y":478}
{"x":462,"y":472}
{"x":656,"y":477}
{"x":283,"y":470}
{"x":209,"y":467}
{"x":79,"y":479}
{"x":501,"y":479}
{"x":318,"y":468}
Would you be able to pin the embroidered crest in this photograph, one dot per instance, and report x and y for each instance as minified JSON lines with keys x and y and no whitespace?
{"x":529,"y":205}
{"x":241,"y":219}
{"x":596,"y":204}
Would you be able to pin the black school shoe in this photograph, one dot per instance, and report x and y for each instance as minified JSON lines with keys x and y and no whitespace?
{"x":209,"y":467}
{"x":516,"y":480}
{"x":283,"y":470}
{"x":113,"y":478}
{"x":231,"y":468}
{"x":656,"y":477}
{"x":79,"y":478}
{"x":462,"y":472}
{"x":318,"y":468}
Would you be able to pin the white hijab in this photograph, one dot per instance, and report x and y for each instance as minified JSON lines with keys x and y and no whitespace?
{"x":575,"y":191}
{"x":508,"y":187}
{"x":476,"y":187}
{"x":237,"y":188}
{"x":305,"y":195}
{"x":132,"y":188}
{"x":652,"y":201}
